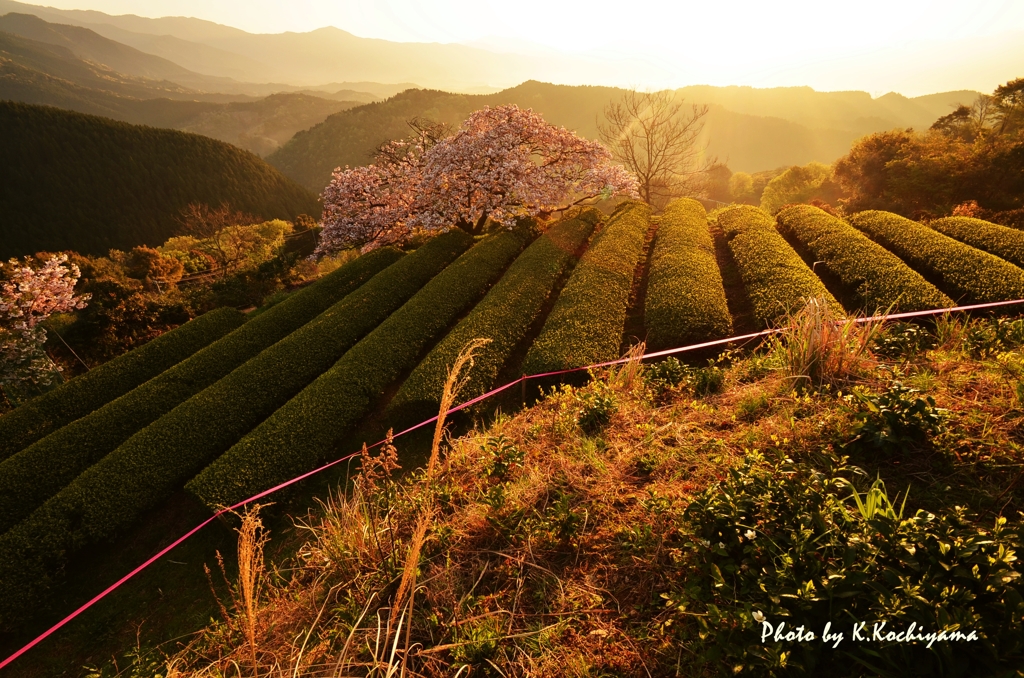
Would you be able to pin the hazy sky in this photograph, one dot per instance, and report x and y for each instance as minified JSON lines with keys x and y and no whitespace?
{"x":865,"y":44}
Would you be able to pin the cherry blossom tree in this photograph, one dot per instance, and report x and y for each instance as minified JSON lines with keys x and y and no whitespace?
{"x":27,"y":297}
{"x":371,"y":206}
{"x":502,"y":164}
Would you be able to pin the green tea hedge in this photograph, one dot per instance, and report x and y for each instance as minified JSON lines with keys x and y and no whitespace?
{"x":685,"y":295}
{"x":777,"y":279}
{"x":76,"y":398}
{"x":1005,"y":243}
{"x":39,"y":471}
{"x":504,"y":316}
{"x":875,"y":278}
{"x":586,"y":324}
{"x":111,"y":495}
{"x":305,"y":430}
{"x":963,"y":272}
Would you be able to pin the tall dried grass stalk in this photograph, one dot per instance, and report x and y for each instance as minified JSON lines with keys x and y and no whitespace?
{"x":625,"y":375}
{"x":819,"y":347}
{"x":455,"y":382}
{"x":252,"y":537}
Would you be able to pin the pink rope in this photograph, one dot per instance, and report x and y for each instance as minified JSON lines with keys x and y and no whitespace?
{"x":469,"y":403}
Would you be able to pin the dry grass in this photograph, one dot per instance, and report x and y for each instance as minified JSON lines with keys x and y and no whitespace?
{"x":819,"y":348}
{"x":536,"y":550}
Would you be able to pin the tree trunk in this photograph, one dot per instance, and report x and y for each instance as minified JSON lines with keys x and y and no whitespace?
{"x":473,"y":228}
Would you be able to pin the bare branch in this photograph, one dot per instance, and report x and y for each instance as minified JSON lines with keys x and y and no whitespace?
{"x":652,"y":135}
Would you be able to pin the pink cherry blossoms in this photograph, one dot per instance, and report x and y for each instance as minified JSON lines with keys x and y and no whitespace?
{"x":27,"y":297}
{"x":502,"y":164}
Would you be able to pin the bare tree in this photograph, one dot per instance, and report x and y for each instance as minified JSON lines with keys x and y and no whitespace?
{"x":650,"y":134}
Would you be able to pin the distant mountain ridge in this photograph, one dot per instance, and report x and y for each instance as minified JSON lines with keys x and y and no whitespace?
{"x":332,"y":55}
{"x":74,"y":181}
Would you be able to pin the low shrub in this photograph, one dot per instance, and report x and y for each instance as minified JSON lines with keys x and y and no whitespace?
{"x":902,"y":340}
{"x":586,"y":324}
{"x":670,"y":373}
{"x":35,"y":474}
{"x":963,"y":272}
{"x":985,"y":338}
{"x":304,"y":431}
{"x":1005,"y":243}
{"x":777,"y":279}
{"x":685,"y":296}
{"x":597,"y":405}
{"x":787,"y":544}
{"x":78,"y":397}
{"x":504,"y":316}
{"x":896,"y":419}
{"x":876,"y":279}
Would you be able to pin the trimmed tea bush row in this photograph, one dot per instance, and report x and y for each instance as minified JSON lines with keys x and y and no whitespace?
{"x":877,"y":278}
{"x":306,"y":429}
{"x":587,"y":321}
{"x":1005,"y":243}
{"x":39,"y":471}
{"x":685,"y":295}
{"x":76,"y":398}
{"x":963,"y":272}
{"x":776,"y":278}
{"x":504,"y":316}
{"x":139,"y":475}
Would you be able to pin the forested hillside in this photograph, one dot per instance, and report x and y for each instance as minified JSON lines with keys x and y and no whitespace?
{"x":748,"y":129}
{"x":74,"y":181}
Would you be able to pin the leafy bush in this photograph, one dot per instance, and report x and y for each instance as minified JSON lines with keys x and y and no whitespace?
{"x":896,"y":419}
{"x":706,"y":380}
{"x":504,"y":316}
{"x":586,"y":324}
{"x":782,"y":543}
{"x":685,"y":295}
{"x":304,"y":431}
{"x":38,"y":472}
{"x":1005,"y":243}
{"x":965,"y":273}
{"x":671,"y":373}
{"x":899,"y":340}
{"x":667,"y":373}
{"x":78,"y":397}
{"x":987,"y":337}
{"x":777,"y":279}
{"x":597,"y":405}
{"x":874,"y":277}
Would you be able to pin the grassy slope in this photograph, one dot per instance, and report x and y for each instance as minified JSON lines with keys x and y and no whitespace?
{"x":551,"y":548}
{"x":75,"y":181}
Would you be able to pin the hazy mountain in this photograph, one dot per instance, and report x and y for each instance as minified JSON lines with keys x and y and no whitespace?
{"x":75,"y":68}
{"x":771,"y":128}
{"x":58,"y":62}
{"x":74,"y":181}
{"x":261,"y":126}
{"x":308,"y":59}
{"x":92,"y":47}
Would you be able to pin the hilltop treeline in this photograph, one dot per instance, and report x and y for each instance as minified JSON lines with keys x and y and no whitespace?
{"x":973,"y":155}
{"x":74,"y":181}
